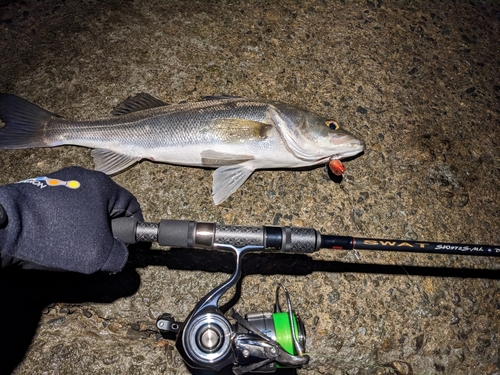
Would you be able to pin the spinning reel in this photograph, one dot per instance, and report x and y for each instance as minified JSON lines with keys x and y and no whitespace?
{"x":259,"y":342}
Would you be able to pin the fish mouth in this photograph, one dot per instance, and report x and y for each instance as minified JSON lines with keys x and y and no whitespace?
{"x":334,"y":163}
{"x":349,"y":149}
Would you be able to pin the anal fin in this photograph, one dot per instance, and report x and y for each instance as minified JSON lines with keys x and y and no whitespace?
{"x":227,"y":179}
{"x":110,"y":162}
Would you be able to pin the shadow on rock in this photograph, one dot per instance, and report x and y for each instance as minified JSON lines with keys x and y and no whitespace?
{"x":288,"y":264}
{"x":25,"y":293}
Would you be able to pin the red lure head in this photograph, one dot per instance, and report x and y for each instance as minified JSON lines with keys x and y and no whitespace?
{"x":336,"y":167}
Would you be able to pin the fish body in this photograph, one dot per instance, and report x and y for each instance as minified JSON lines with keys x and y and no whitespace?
{"x":232,"y":134}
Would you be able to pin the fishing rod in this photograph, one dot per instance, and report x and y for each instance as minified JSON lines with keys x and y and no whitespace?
{"x":191,"y":234}
{"x":259,"y":341}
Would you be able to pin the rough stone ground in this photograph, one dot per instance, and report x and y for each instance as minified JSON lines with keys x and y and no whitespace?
{"x":418,"y":81}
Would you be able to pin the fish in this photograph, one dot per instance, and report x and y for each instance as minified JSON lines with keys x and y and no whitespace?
{"x":234,"y":135}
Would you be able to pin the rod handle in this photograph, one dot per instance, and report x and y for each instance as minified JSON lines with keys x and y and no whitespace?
{"x":124,"y":229}
{"x":192,"y":234}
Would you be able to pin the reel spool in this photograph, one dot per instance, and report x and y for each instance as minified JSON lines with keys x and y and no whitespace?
{"x":282,"y":327}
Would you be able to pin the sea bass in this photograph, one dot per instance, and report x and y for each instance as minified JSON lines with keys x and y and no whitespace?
{"x":232,"y":134}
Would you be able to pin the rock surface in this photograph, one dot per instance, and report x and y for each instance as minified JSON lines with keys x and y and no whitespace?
{"x":418,"y":81}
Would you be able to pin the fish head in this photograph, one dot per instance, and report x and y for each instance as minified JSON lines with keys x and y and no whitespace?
{"x":312,"y":138}
{"x":323,"y":139}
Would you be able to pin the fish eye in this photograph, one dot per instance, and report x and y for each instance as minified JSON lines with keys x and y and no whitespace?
{"x":332,"y":124}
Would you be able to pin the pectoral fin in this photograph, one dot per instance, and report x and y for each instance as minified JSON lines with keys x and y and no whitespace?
{"x":235,"y":129}
{"x":228,"y":179}
{"x":215,"y":159}
{"x":110,"y":162}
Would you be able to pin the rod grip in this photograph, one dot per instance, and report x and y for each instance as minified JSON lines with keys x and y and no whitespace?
{"x":124,"y":228}
{"x":300,"y":240}
{"x":189,"y":234}
{"x":176,"y":233}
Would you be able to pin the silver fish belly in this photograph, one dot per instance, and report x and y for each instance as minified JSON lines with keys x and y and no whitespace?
{"x":233,"y":135}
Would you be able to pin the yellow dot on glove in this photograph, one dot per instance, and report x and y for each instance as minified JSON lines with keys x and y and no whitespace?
{"x":73,"y":184}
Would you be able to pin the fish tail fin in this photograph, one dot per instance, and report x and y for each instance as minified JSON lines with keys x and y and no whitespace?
{"x":24,"y":123}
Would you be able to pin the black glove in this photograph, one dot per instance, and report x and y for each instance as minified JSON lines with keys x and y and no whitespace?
{"x":62,"y":221}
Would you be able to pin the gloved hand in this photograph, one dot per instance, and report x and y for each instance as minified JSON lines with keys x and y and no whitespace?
{"x":62,"y":221}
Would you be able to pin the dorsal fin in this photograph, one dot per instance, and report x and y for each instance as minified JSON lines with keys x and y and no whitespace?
{"x":138,"y":102}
